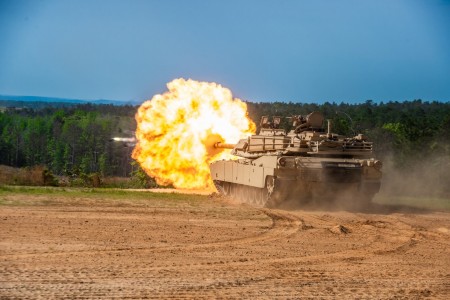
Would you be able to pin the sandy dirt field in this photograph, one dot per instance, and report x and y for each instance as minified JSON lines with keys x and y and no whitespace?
{"x":76,"y":247}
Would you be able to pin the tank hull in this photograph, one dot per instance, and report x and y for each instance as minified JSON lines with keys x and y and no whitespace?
{"x":270,"y":180}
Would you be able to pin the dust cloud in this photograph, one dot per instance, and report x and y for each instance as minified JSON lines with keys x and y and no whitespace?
{"x":424,"y":185}
{"x":326,"y":198}
{"x":419,"y":188}
{"x":420,"y":180}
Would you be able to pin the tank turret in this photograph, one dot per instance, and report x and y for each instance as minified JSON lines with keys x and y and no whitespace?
{"x":304,"y":163}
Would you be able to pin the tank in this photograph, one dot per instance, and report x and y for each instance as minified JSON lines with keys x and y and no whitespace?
{"x":305,"y":163}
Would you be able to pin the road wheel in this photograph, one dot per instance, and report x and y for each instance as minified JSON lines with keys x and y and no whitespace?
{"x":221,"y":187}
{"x":272,"y":193}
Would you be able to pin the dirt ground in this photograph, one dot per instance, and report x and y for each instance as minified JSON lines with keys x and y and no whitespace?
{"x":75,"y":247}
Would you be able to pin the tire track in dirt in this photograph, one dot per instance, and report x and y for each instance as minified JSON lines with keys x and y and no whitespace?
{"x":283,"y":225}
{"x":399,"y":229}
{"x":228,"y":275}
{"x":407,"y":238}
{"x":322,"y":260}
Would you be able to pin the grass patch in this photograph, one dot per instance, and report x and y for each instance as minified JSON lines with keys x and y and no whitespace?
{"x":27,"y":195}
{"x":434,"y":203}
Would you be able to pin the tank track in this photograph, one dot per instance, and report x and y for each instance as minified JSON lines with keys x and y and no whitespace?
{"x":269,"y":196}
{"x":277,"y":191}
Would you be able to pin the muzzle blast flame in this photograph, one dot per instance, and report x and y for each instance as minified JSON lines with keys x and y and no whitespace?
{"x":176,"y":132}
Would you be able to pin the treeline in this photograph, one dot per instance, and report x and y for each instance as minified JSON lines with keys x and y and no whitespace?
{"x":76,"y":140}
{"x":71,"y":141}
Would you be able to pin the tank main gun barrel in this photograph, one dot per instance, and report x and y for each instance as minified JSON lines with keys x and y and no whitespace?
{"x":223,"y":145}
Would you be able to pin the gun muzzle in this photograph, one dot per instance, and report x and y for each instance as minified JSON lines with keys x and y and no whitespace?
{"x":223,"y":145}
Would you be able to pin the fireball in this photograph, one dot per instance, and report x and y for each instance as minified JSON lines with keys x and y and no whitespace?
{"x":176,"y":132}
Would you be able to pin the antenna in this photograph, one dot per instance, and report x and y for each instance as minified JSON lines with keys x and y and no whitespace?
{"x":351,"y":121}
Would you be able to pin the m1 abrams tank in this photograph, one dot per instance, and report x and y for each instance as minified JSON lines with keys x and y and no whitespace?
{"x":307,"y":163}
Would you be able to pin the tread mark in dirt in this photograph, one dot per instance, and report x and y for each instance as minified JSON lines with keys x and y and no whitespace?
{"x":283,"y":225}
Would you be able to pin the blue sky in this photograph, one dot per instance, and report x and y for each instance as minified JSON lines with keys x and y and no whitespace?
{"x":285,"y":50}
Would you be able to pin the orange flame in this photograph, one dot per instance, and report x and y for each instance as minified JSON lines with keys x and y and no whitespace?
{"x":176,"y":132}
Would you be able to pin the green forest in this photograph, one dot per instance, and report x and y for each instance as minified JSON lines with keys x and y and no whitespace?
{"x":75,"y":140}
